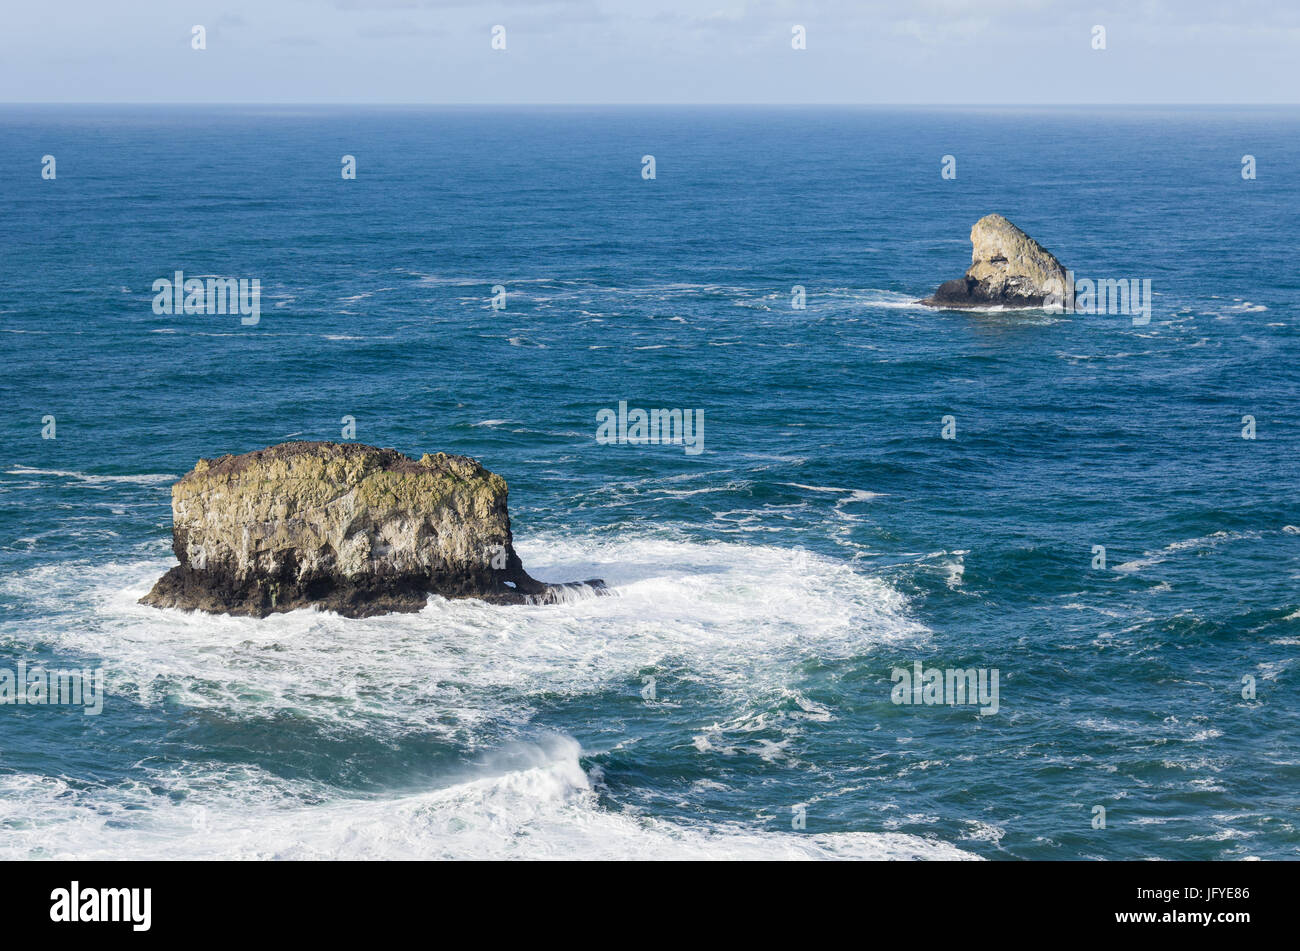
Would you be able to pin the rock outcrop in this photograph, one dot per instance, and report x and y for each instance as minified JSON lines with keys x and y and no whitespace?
{"x":1008,"y":269}
{"x":342,"y":526}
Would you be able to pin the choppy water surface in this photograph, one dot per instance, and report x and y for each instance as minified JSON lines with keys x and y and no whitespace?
{"x":767,"y":585}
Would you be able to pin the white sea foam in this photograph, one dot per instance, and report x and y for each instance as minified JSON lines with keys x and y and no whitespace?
{"x":954,"y":571}
{"x":739,"y":616}
{"x":1213,"y":540}
{"x":891,"y":300}
{"x":147,"y":479}
{"x":742,"y":615}
{"x":854,"y":495}
{"x":545,"y":807}
{"x":739,"y":486}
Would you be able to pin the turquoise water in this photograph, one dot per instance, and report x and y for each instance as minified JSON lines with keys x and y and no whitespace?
{"x":768,"y":585}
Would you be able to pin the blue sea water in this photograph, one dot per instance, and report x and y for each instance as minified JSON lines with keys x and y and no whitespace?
{"x":767,"y":586}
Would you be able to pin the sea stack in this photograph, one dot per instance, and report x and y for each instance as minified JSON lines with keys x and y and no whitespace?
{"x":344,"y":527}
{"x":1008,"y":269}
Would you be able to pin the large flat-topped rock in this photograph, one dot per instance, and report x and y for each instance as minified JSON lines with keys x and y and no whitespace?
{"x":346,"y":527}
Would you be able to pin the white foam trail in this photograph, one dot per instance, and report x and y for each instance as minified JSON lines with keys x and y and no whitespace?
{"x":147,"y":479}
{"x":855,"y":495}
{"x":1212,"y":540}
{"x":742,"y":615}
{"x":543,"y":809}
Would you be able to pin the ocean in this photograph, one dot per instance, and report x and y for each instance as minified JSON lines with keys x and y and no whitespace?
{"x":1101,"y":529}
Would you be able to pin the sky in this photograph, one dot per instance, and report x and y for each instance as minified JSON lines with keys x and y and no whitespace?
{"x":943,"y":52}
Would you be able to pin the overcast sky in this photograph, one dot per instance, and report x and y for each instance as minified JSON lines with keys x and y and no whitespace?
{"x":651,"y":51}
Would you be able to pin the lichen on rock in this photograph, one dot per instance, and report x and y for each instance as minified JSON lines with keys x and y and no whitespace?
{"x":1008,"y":269}
{"x":343,"y":526}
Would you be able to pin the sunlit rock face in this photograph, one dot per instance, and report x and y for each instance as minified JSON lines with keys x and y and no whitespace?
{"x":344,"y":527}
{"x":1008,"y":269}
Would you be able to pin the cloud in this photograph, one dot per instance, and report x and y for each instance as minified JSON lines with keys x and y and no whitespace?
{"x":923,"y":51}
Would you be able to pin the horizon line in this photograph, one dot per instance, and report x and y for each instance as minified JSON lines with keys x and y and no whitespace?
{"x":533,"y":105}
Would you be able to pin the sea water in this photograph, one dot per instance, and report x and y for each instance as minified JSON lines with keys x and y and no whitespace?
{"x":1103,"y":528}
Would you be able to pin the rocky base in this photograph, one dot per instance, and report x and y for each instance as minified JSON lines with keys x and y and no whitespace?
{"x":346,"y":528}
{"x":190,"y":589}
{"x":966,"y":292}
